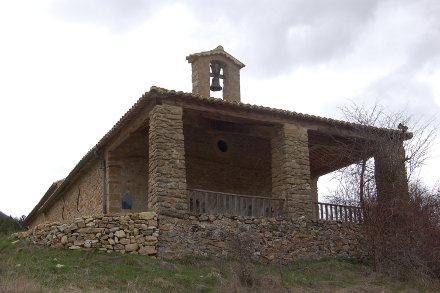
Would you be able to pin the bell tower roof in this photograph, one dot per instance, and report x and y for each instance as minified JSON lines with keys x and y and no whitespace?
{"x":215,"y":52}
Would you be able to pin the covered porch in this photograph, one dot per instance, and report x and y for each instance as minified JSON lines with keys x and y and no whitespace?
{"x":202,"y":156}
{"x":246,"y":167}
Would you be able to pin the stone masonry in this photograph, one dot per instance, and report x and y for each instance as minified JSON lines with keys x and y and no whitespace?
{"x":83,"y":197}
{"x":146,"y":233}
{"x":274,"y":240}
{"x":131,"y":233}
{"x":291,"y":170}
{"x":390,"y":170}
{"x":200,"y":63}
{"x":233,"y":171}
{"x":127,"y":174}
{"x":167,"y":180}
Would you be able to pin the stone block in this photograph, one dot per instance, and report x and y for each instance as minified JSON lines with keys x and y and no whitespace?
{"x":131,"y":247}
{"x":120,"y":234}
{"x":124,"y":241}
{"x":147,"y":250}
{"x":147,"y":215}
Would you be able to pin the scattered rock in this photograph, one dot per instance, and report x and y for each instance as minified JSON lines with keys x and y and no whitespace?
{"x":59,"y":266}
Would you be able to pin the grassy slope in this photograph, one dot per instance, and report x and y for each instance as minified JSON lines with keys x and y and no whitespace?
{"x":30,"y":268}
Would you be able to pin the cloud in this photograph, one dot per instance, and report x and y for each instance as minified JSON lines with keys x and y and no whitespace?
{"x":115,"y":15}
{"x":278,"y":36}
{"x":274,"y":36}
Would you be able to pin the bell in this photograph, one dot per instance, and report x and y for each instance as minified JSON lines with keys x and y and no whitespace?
{"x":215,"y":68}
{"x":215,"y":85}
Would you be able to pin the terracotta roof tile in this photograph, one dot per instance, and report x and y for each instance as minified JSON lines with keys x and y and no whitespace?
{"x":269,"y":110}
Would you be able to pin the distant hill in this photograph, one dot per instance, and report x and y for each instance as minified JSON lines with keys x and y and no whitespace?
{"x":9,"y":225}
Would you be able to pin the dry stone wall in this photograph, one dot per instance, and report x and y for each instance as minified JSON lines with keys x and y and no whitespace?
{"x":273,"y":240}
{"x":267,"y":240}
{"x":129,"y":233}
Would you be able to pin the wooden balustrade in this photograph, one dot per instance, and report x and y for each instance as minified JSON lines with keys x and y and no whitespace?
{"x":213,"y":202}
{"x":335,"y":212}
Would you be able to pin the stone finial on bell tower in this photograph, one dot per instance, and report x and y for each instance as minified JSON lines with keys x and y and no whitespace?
{"x":219,"y":65}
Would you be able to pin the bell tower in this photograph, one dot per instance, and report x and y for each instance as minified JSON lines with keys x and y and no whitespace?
{"x":219,"y":65}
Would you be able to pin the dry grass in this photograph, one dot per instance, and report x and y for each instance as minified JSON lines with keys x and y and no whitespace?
{"x":28,"y":268}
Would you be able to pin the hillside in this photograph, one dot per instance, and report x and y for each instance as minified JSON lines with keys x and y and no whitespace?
{"x":25,"y":267}
{"x":3,"y":216}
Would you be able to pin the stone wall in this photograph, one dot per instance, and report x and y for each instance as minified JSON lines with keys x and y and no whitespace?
{"x":274,"y":240}
{"x":291,"y":170}
{"x":82,"y":197}
{"x":231,"y":84}
{"x":167,"y":181}
{"x":245,"y":167}
{"x":134,"y":233}
{"x":127,"y":174}
{"x":147,"y":233}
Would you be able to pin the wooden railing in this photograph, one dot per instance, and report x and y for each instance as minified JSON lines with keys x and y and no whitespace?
{"x":335,"y":212}
{"x":212,"y":202}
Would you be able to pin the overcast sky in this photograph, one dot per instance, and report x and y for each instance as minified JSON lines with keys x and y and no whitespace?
{"x":69,"y":69}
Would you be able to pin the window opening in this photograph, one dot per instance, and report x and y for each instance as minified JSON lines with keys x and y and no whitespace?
{"x":222,"y":146}
{"x":126,"y":202}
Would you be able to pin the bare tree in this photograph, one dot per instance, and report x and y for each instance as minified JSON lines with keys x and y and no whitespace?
{"x":357,"y":181}
{"x":402,"y":229}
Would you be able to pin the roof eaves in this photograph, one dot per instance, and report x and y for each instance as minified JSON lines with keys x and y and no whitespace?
{"x":286,"y":113}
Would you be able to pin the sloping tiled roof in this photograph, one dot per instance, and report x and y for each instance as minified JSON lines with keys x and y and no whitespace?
{"x":269,"y":110}
{"x":52,"y":193}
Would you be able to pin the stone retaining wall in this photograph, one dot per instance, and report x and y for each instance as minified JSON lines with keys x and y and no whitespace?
{"x":271,"y":240}
{"x":134,"y":233}
{"x":266,"y":240}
